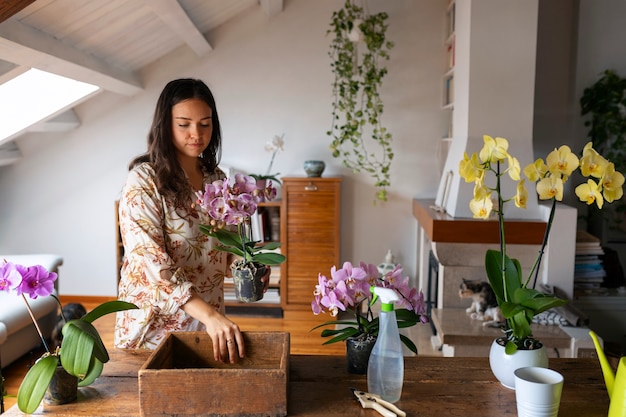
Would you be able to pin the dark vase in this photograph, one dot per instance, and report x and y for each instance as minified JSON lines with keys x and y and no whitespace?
{"x":63,"y":388}
{"x":358,"y":351}
{"x":247,"y":283}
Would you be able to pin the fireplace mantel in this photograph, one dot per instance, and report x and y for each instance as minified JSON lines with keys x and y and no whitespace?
{"x":441,"y":227}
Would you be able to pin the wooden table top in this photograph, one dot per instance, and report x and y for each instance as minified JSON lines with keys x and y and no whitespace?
{"x":319,"y":386}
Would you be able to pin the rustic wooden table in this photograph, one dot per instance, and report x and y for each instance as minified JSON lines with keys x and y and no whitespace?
{"x":319,"y":386}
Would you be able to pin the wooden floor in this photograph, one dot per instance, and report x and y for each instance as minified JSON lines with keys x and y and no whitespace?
{"x":303,"y":341}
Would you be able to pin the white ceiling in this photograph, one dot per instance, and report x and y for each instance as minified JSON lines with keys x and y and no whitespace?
{"x":104,"y":42}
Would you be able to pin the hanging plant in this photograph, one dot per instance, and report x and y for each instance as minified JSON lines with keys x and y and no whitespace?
{"x":605,"y":102}
{"x":358,"y":51}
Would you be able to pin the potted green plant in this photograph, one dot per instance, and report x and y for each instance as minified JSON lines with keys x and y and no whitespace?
{"x":358,"y":52}
{"x":348,"y":289}
{"x":604,"y":104}
{"x":517,"y":297}
{"x":231,"y":203}
{"x":82,"y":354}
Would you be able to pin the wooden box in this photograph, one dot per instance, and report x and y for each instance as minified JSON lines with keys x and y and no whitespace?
{"x":181,"y":378}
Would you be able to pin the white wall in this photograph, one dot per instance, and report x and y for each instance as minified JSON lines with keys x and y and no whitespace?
{"x":269,"y":77}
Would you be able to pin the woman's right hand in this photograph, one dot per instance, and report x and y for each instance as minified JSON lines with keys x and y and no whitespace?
{"x":228,"y":344}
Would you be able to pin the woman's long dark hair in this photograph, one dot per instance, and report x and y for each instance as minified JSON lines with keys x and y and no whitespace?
{"x":170,"y":177}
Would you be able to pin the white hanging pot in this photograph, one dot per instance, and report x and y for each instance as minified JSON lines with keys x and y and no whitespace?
{"x":503,"y":365}
{"x":355,"y":35}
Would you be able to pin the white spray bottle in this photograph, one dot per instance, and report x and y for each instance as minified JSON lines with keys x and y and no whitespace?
{"x":385,"y":370}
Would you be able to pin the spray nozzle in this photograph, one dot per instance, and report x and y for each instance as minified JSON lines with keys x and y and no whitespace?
{"x":387,"y":297}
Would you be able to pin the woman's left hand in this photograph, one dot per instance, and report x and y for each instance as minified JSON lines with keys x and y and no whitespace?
{"x":265,"y":279}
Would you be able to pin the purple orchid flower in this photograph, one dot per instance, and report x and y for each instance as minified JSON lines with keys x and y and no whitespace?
{"x":36,"y":281}
{"x":9,"y":277}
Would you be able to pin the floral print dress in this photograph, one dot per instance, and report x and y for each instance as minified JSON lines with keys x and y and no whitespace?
{"x":166,"y":258}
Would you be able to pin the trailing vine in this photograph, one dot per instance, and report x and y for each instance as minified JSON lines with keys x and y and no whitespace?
{"x":605,"y":102}
{"x":357,"y":107}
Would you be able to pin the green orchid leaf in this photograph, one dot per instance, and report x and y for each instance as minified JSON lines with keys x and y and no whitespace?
{"x":521,"y":325}
{"x":334,"y":322}
{"x":76,"y":349}
{"x":406,"y":318}
{"x":269,"y":258}
{"x":234,"y":250}
{"x":35,"y":383}
{"x":538,"y":302}
{"x":225,"y":237}
{"x":510,"y":348}
{"x":342,"y":334}
{"x":270,"y":246}
{"x":107,"y":308}
{"x":510,"y":309}
{"x":95,"y":370}
{"x":513,"y":275}
{"x":408,"y":343}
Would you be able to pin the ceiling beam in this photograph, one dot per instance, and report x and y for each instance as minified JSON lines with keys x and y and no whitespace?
{"x":9,"y":153}
{"x":10,"y":7}
{"x":174,"y":16}
{"x":271,"y":7}
{"x":25,"y":46}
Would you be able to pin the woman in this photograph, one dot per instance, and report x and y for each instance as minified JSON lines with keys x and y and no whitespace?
{"x":170,"y":269}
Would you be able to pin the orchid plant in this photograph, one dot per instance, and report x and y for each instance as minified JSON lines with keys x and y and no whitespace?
{"x":348,"y":289}
{"x":277,"y":144}
{"x":82,"y":353}
{"x":232,"y":202}
{"x":516,"y":296}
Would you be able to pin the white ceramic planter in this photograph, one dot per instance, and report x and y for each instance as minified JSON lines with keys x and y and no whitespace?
{"x":503,"y":365}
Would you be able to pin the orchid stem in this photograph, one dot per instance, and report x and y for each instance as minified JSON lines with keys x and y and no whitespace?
{"x":32,"y":316}
{"x":501,"y":224}
{"x":543,"y":244}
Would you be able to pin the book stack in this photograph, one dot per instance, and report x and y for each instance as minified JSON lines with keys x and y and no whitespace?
{"x":589,"y":270}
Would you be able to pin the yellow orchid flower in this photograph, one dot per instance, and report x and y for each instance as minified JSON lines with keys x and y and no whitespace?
{"x":481,"y":191}
{"x":536,"y":170}
{"x":590,"y":193}
{"x":562,"y":161}
{"x":514,"y":168}
{"x":550,"y":187}
{"x":471,"y":169}
{"x":612,"y":183}
{"x":481,"y":208}
{"x":592,"y":163}
{"x":521,"y":197}
{"x":494,"y":150}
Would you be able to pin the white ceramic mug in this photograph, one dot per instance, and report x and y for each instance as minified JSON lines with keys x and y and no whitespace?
{"x":538,"y":392}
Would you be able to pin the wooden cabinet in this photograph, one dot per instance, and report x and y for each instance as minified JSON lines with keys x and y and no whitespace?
{"x":310,"y":231}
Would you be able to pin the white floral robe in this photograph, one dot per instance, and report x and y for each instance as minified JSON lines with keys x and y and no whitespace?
{"x":165,"y":258}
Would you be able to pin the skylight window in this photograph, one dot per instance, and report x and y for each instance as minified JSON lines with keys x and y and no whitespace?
{"x":36,"y":95}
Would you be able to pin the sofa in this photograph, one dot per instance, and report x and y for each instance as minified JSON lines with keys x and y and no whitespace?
{"x":18,"y":335}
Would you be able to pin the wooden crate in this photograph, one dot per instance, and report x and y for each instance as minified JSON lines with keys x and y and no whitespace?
{"x":181,"y":378}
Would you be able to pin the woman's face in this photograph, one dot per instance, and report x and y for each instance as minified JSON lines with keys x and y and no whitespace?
{"x":192,"y":127}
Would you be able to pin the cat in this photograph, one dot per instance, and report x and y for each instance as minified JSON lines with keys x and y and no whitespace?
{"x":70,"y":311}
{"x":484,"y":304}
